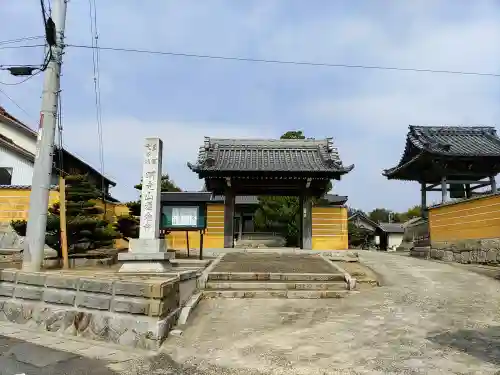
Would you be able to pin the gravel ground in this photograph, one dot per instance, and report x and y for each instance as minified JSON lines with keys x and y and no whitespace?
{"x":428,"y":318}
{"x":279,"y":263}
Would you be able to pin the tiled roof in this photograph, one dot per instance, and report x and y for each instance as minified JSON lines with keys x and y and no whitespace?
{"x":448,"y":141}
{"x":24,"y":187}
{"x":269,"y":155}
{"x":186,"y":196}
{"x":392,"y":227}
{"x":363,"y":217}
{"x":195,"y":196}
{"x":456,"y":140}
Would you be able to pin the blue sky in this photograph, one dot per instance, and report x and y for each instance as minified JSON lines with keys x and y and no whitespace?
{"x":182,"y":100}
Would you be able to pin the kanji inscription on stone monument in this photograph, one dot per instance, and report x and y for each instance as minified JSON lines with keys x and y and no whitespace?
{"x":151,"y":189}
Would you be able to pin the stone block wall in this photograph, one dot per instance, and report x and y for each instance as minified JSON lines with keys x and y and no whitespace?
{"x":129,"y":311}
{"x":482,"y":251}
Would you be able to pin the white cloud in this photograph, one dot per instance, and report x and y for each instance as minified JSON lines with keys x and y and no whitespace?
{"x":123,"y":140}
{"x":367,"y":111}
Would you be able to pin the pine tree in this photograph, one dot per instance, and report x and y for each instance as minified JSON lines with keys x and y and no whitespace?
{"x":86,"y":227}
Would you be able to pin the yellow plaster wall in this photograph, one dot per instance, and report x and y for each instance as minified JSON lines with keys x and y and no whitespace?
{"x":475,"y":218}
{"x":112,"y":210}
{"x":14,"y":203}
{"x":329,"y":228}
{"x":214,"y":234}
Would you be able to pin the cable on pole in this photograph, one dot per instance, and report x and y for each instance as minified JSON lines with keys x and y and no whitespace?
{"x":32,"y":71}
{"x":287,"y":62}
{"x":60,"y":146}
{"x":16,"y":104}
{"x":18,"y":40}
{"x":97,"y":91}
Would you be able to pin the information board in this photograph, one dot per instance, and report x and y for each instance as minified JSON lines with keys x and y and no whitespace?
{"x":184,"y":216}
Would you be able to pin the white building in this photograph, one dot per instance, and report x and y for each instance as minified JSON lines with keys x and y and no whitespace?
{"x":17,"y":155}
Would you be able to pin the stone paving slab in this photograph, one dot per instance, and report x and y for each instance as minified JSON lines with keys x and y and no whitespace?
{"x":266,"y":276}
{"x":275,"y":293}
{"x":273,"y":263}
{"x":276,"y":285}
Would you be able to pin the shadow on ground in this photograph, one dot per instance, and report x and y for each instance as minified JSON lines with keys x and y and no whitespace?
{"x":21,"y":357}
{"x":483,"y":344}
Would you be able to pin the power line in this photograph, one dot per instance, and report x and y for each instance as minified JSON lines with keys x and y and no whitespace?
{"x":287,"y":62}
{"x":18,"y":40}
{"x":15,"y":103}
{"x":24,"y":46}
{"x":24,"y":80}
{"x":97,"y":88}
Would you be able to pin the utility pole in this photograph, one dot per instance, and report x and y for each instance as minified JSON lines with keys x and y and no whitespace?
{"x":40,"y":185}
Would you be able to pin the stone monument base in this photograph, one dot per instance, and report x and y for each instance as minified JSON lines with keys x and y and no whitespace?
{"x":140,"y":245}
{"x":122,"y":309}
{"x":146,"y":256}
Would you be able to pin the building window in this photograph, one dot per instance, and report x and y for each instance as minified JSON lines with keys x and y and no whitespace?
{"x":5,"y":176}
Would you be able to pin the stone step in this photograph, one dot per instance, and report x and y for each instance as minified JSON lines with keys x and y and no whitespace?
{"x":183,"y":268}
{"x":275,"y":285}
{"x":189,"y":262}
{"x":262,"y":276}
{"x":290,"y":294}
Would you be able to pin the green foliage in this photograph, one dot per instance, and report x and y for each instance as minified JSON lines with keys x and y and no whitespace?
{"x":382,"y":215}
{"x":128,"y":226}
{"x":379,"y":215}
{"x":166,"y":184}
{"x":359,"y":237}
{"x":293,"y":134}
{"x":279,"y":215}
{"x":85,"y":227}
{"x":415,"y":211}
{"x":134,"y":208}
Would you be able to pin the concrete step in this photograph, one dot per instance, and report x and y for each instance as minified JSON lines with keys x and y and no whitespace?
{"x":190,"y":262}
{"x":262,"y":276}
{"x":290,"y":294}
{"x":186,"y":268}
{"x":275,"y":285}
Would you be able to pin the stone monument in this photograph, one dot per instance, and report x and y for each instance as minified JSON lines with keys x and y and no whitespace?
{"x":148,"y":253}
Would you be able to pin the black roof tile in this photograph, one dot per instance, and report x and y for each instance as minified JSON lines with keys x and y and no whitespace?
{"x":456,"y":140}
{"x":196,"y":196}
{"x":447,"y":141}
{"x":269,"y":155}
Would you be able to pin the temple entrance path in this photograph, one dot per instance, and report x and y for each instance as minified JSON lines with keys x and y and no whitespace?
{"x":273,"y":263}
{"x":428,"y":318}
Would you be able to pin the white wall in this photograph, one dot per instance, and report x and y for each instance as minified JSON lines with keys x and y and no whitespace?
{"x":28,"y":142}
{"x":22,"y":168}
{"x":394,"y":240}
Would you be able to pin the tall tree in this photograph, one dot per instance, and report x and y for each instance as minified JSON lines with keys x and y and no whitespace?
{"x":380,"y":215}
{"x":415,"y":211}
{"x":86,"y":227}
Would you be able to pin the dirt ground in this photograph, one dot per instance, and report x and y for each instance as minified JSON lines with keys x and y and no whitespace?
{"x":363,"y":274}
{"x":427,"y":318}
